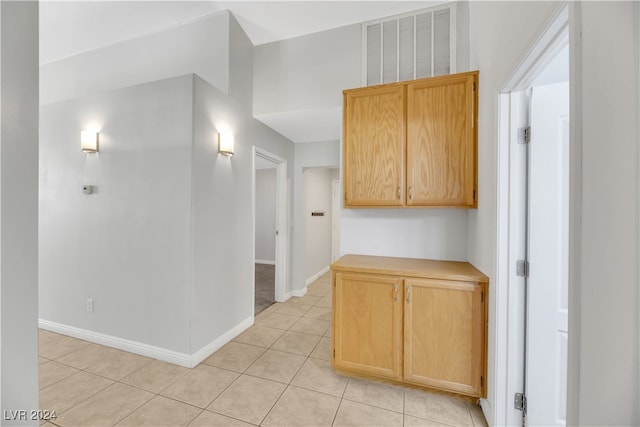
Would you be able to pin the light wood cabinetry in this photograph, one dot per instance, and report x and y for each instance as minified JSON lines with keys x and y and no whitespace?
{"x":412,"y":144}
{"x":369,"y":338}
{"x":421,"y":322}
{"x":443,"y":334}
{"x":374,"y":141}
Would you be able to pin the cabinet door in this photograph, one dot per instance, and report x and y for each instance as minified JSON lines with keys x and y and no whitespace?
{"x":441,"y":141}
{"x":367,"y":324}
{"x":444,"y":335}
{"x":374,"y":146}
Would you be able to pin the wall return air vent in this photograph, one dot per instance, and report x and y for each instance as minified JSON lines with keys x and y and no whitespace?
{"x":410,"y":46}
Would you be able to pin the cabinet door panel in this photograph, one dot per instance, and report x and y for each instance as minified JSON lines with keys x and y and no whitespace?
{"x":367,"y":322}
{"x":374,"y":146}
{"x":441,"y":141}
{"x":444,"y":332}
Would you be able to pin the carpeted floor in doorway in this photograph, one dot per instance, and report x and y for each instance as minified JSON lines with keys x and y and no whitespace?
{"x":265,"y":286}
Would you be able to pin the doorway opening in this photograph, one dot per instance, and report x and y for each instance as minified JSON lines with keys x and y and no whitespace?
{"x":320,"y":228}
{"x":270,"y":225}
{"x":533,"y":235}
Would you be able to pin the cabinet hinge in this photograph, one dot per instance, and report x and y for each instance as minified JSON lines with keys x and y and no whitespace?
{"x":481,"y":381}
{"x":474,"y":87}
{"x":334,"y":353}
{"x":474,"y":194}
{"x":520,"y":402}
{"x":524,"y":135}
{"x":522,"y":268}
{"x":481,"y":300}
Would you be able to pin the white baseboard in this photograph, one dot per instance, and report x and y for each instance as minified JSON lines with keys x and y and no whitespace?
{"x":166,"y":355}
{"x":216,"y":344}
{"x":299,"y":292}
{"x":316,"y":276}
{"x":264,"y":261}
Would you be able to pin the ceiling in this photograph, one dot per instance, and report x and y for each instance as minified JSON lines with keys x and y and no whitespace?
{"x":68,"y":28}
{"x":71,"y":27}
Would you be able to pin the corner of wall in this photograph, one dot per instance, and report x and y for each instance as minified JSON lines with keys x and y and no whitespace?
{"x":240,"y":64}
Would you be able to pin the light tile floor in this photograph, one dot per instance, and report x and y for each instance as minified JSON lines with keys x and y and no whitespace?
{"x":276,"y":373}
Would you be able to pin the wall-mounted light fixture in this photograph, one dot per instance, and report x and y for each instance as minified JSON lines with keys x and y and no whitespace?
{"x":225,"y":143}
{"x":89,"y":141}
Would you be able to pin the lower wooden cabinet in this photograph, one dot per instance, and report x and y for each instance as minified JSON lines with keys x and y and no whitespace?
{"x":421,"y":322}
{"x":368,"y":337}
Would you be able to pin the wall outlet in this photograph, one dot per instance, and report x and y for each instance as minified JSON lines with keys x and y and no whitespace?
{"x":90,"y":305}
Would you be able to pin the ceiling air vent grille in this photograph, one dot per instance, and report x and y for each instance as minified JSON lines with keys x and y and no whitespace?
{"x":409,"y":47}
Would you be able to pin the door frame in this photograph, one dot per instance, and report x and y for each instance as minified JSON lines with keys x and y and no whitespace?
{"x":282,"y":222}
{"x":336,"y":200}
{"x":509,"y":373}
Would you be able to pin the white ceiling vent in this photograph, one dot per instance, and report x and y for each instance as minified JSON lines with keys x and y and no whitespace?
{"x":407,"y":47}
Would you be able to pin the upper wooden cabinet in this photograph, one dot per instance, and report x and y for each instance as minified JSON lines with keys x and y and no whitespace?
{"x":374,"y":138}
{"x":412,"y":144}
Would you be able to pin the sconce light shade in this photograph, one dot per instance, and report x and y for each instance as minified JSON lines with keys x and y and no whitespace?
{"x":225,"y":144}
{"x":89,"y":141}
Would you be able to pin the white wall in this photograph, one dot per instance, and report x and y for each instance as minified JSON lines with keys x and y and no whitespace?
{"x":307,"y":72}
{"x":221,"y":296}
{"x":18,"y":207}
{"x":266,"y":215}
{"x":411,"y":233}
{"x":606,"y":391}
{"x":317,"y":234}
{"x":128,"y":245}
{"x":200,"y":47}
{"x":307,"y":155}
{"x":607,"y":286}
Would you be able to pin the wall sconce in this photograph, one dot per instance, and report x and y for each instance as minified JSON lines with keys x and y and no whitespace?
{"x":225,"y":143}
{"x":89,"y":141}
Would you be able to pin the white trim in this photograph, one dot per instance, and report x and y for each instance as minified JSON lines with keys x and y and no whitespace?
{"x":553,"y":37}
{"x":316,"y":276}
{"x":299,"y":292}
{"x":282,"y":221}
{"x":166,"y":355}
{"x":216,"y":344}
{"x":264,"y":261}
{"x":575,"y":212}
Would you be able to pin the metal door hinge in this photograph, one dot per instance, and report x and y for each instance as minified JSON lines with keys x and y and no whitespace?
{"x":522,"y":268}
{"x":520,"y":402}
{"x":524,"y":135}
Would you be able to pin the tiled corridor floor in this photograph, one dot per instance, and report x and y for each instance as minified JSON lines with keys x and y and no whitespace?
{"x":277,"y":373}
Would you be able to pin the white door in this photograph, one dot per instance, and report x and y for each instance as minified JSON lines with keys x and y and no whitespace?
{"x":547,"y":323}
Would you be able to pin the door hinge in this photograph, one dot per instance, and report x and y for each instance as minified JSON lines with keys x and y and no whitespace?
{"x":474,"y":87}
{"x":520,"y":402}
{"x":334,"y":353}
{"x":482,"y":296}
{"x":522,"y":268}
{"x":524,"y":135}
{"x":474,"y":194}
{"x":481,"y":381}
